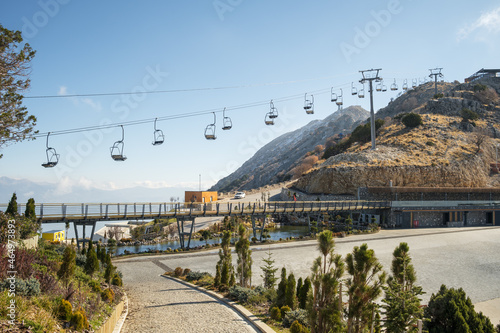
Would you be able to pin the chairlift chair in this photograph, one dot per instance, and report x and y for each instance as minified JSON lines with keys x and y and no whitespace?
{"x":361,"y":92}
{"x":333,"y":96}
{"x":384,"y":87}
{"x":52,"y":155}
{"x":269,"y":120}
{"x":210,"y":130}
{"x":227,"y":124}
{"x":273,"y":111}
{"x":379,"y":86}
{"x":117,"y":149}
{"x":394,"y":86}
{"x":414,"y":83}
{"x":340,"y":98}
{"x":158,"y":137}
{"x":354,"y":91}
{"x":309,"y":104}
{"x":405,"y":85}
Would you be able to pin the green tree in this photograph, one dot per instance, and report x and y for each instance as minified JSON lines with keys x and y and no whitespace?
{"x":15,"y":124}
{"x":325,"y":304}
{"x":12,"y":206}
{"x":290,"y":292}
{"x":401,"y":301}
{"x":299,"y":285}
{"x":225,"y":261}
{"x":450,"y":310}
{"x":302,"y":293}
{"x":68,"y":265}
{"x":269,"y":271}
{"x":109,"y":273}
{"x":281,"y":292}
{"x":242,"y":246}
{"x":206,"y":235}
{"x":363,"y":286}
{"x":468,"y":115}
{"x":91,"y":263}
{"x":29,"y":213}
{"x":412,"y":120}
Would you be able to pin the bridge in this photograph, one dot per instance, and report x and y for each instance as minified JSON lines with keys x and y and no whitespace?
{"x":87,"y":214}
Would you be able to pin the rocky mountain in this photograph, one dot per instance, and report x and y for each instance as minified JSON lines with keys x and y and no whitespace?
{"x":274,"y":162}
{"x":447,"y":150}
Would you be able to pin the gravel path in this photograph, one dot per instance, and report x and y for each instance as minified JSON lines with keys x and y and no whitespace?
{"x":158,"y":304}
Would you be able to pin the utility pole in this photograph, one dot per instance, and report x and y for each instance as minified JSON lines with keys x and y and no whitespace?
{"x":371,"y":75}
{"x":435,"y":72}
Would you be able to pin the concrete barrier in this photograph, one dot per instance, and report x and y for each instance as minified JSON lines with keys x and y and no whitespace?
{"x":109,"y":325}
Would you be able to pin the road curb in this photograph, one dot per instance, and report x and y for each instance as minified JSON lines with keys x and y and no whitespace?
{"x":241,"y":310}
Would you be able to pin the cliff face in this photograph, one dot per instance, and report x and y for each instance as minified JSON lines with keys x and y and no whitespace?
{"x":273,"y":162}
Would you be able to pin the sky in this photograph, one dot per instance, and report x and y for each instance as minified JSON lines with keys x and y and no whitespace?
{"x":131,"y":61}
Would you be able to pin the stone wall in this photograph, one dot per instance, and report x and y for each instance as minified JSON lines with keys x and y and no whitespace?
{"x":432,"y":195}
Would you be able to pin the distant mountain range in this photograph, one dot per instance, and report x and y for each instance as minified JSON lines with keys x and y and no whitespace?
{"x":51,"y":192}
{"x":274,"y":162}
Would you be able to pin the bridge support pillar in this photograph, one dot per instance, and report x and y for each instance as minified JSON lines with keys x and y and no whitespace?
{"x":84,"y":224}
{"x":182,"y":233}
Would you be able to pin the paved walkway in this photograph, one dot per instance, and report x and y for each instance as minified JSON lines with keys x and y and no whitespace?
{"x":158,"y":304}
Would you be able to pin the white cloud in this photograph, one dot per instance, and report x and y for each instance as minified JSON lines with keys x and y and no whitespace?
{"x":152,"y":184}
{"x":489,"y":22}
{"x":95,"y":105}
{"x":63,"y":90}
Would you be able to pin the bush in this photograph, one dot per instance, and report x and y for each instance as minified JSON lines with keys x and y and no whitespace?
{"x":298,"y":328}
{"x":257,"y":299}
{"x":438,"y":95}
{"x":117,"y":280}
{"x":186,"y":271}
{"x":79,"y":320}
{"x":412,"y":120}
{"x":28,"y":288}
{"x":299,"y":315}
{"x":108,"y":295}
{"x":468,"y":115}
{"x":65,"y":310}
{"x":284,"y":309}
{"x":275,"y":313}
{"x":96,"y":286}
{"x":195,"y":276}
{"x":80,"y":259}
{"x":241,"y":294}
{"x":178,"y":271}
{"x":480,"y":87}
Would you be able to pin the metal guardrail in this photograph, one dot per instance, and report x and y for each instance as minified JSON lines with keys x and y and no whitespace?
{"x":61,"y":212}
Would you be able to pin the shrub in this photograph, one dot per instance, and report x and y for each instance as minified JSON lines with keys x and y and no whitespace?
{"x":117,"y":280}
{"x":178,"y":271}
{"x":299,"y":315}
{"x":28,"y":288}
{"x":298,"y":328}
{"x":79,"y":320}
{"x":275,"y":313}
{"x":412,"y":120}
{"x":206,"y":281}
{"x":430,"y":143}
{"x":284,"y":309}
{"x":438,"y":95}
{"x":468,"y":115}
{"x":195,"y":276}
{"x":65,"y":310}
{"x":80,"y":260}
{"x":241,"y":294}
{"x":96,"y":286}
{"x":108,"y":295}
{"x":480,"y":87}
{"x":257,"y":299}
{"x":186,"y":271}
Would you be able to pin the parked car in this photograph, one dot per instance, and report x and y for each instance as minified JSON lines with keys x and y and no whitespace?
{"x":239,"y":195}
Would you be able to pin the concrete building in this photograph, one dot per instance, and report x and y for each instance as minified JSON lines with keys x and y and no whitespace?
{"x":200,"y":196}
{"x":54,"y":235}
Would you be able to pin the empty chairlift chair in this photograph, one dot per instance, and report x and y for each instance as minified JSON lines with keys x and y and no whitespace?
{"x":354,"y":90}
{"x":273,"y":111}
{"x":117,"y":149}
{"x":309,"y":104}
{"x":340,"y":98}
{"x":384,"y":87}
{"x":268,"y":120}
{"x":361,"y":92}
{"x":227,"y":124}
{"x":379,"y":86}
{"x":52,"y":155}
{"x":158,"y":137}
{"x":210,"y":130}
{"x":414,"y":83}
{"x":405,"y":85}
{"x":333,"y":95}
{"x":394,"y":86}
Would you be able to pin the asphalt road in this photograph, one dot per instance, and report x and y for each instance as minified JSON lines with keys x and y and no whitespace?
{"x":458,"y":257}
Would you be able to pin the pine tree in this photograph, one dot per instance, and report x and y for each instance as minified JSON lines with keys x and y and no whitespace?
{"x":290,"y":297}
{"x":91,"y":264}
{"x":109,"y":273}
{"x":29,"y":213}
{"x":402,"y":305}
{"x":302,"y":293}
{"x":68,"y":265}
{"x":269,"y":271}
{"x":299,"y":286}
{"x":325,"y":312}
{"x":281,"y":292}
{"x":364,"y":286}
{"x":244,"y":262}
{"x":12,"y":207}
{"x":225,"y":261}
{"x":217,"y":277}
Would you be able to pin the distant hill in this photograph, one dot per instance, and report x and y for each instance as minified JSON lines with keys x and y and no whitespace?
{"x":275,"y":162}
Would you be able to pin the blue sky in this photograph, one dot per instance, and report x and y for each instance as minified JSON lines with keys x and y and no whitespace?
{"x":262,"y":49}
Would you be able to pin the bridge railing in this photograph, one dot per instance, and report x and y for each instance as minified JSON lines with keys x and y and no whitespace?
{"x":122,"y":211}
